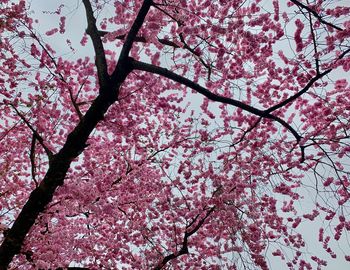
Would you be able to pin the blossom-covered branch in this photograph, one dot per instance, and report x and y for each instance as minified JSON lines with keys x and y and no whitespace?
{"x":138,"y":65}
{"x":75,"y":144}
{"x":318,"y":16}
{"x":184,"y":248}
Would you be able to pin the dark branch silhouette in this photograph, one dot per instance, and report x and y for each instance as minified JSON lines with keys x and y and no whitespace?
{"x":91,"y":30}
{"x":305,"y":89}
{"x":313,"y":12}
{"x":75,"y":144}
{"x":184,"y":248}
{"x":76,"y":141}
{"x":138,"y":65}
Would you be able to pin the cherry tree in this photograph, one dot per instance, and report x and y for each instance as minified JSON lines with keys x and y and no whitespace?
{"x":171,"y":134}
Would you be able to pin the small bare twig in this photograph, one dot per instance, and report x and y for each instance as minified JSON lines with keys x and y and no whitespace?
{"x":317,"y":61}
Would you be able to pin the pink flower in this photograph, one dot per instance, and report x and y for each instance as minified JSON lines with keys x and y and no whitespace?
{"x":51,"y":32}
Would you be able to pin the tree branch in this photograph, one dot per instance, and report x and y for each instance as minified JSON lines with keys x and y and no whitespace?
{"x":305,"y":89}
{"x":247,"y":131}
{"x":317,"y":61}
{"x":197,"y":55}
{"x":184,"y":248}
{"x":75,"y":144}
{"x":129,"y":40}
{"x":101,"y":63}
{"x":166,"y":42}
{"x":75,"y":105}
{"x":313,"y":12}
{"x":32,"y":159}
{"x":137,"y":65}
{"x":182,"y":39}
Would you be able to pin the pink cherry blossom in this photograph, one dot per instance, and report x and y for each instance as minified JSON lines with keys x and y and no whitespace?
{"x":174,"y":134}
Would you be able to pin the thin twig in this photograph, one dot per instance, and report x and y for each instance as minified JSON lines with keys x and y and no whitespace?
{"x":317,"y":61}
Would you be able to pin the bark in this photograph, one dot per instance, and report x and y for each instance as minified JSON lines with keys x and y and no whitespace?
{"x":75,"y":144}
{"x":58,"y":167}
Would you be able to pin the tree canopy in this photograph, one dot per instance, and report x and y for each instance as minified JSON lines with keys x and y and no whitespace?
{"x":172,"y":134}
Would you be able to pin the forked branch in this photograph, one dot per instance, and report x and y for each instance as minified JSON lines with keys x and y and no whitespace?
{"x":298,"y":94}
{"x":306,"y":88}
{"x":100,"y":61}
{"x":184,"y":248}
{"x":75,"y":144}
{"x":137,"y":65}
{"x":129,"y":40}
{"x":318,"y":16}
